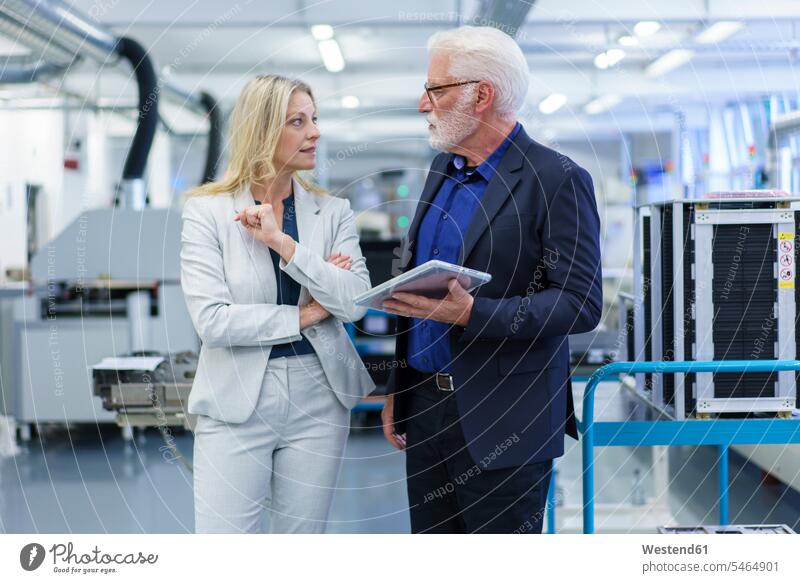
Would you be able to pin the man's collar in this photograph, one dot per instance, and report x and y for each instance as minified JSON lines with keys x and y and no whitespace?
{"x":487,"y":168}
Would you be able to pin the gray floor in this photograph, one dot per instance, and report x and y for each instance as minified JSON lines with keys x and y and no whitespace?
{"x":85,"y":481}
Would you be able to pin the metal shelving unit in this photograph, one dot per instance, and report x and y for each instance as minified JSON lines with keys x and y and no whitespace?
{"x":718,"y":432}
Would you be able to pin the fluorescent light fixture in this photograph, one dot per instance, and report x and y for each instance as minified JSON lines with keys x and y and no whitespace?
{"x":331,"y":55}
{"x":36,"y":102}
{"x":602,"y":103}
{"x":646,"y":28}
{"x":552,"y":103}
{"x":627,"y":40}
{"x":608,"y":58}
{"x":322,"y":31}
{"x":719,"y":31}
{"x":668,"y":61}
{"x":350,"y":102}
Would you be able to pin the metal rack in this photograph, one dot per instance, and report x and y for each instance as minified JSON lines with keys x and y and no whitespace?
{"x":720,"y":432}
{"x":716,"y":281}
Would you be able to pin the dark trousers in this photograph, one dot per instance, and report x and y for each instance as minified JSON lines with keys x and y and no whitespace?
{"x":449,"y":492}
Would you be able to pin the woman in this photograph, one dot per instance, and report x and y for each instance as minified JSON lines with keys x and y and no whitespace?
{"x":277,"y":374}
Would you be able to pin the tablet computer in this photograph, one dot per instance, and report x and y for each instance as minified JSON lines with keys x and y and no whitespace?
{"x":429,"y":279}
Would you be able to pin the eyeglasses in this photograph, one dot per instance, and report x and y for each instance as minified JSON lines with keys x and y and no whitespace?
{"x":429,"y":89}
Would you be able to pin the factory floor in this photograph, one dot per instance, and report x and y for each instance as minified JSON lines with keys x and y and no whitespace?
{"x":83,"y":480}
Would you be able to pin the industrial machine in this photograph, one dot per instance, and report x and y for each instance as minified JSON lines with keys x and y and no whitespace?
{"x":148,"y":389}
{"x":715,"y":280}
{"x":109,"y":283}
{"x":728,"y":529}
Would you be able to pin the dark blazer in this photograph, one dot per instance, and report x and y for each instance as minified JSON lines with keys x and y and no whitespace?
{"x":537,"y":232}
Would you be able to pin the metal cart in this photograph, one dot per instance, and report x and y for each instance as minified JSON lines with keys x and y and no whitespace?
{"x":720,"y":432}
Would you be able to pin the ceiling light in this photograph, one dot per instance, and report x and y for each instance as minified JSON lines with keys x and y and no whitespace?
{"x":37,"y":102}
{"x":331,"y":55}
{"x":719,"y":31}
{"x":552,"y":103}
{"x":350,"y":101}
{"x":602,"y":103}
{"x":646,"y":28}
{"x":627,"y":40}
{"x":608,"y":58}
{"x":669,"y":61}
{"x":322,"y":31}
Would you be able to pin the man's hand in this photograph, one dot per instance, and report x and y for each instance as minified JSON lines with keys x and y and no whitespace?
{"x":387,"y":417}
{"x":455,"y":308}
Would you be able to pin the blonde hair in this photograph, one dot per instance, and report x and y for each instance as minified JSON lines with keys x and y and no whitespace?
{"x":255,"y":130}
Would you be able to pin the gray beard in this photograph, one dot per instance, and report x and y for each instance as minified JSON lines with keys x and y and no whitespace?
{"x":455,"y":126}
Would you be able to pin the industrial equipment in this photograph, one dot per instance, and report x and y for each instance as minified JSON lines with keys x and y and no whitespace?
{"x":109,"y":283}
{"x":146,"y":389}
{"x":728,"y":529}
{"x":715,"y":280}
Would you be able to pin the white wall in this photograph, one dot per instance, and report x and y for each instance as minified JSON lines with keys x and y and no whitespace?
{"x":32,"y":152}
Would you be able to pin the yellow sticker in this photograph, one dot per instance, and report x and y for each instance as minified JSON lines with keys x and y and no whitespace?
{"x":783,"y":236}
{"x":786,"y":284}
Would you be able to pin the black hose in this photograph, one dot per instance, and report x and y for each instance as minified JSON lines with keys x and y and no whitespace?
{"x":214,"y":137}
{"x":148,"y":106}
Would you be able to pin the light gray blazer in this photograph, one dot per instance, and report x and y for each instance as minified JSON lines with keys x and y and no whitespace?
{"x":230,"y":288}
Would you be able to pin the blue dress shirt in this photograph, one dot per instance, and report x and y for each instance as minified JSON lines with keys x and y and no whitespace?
{"x":440,"y":236}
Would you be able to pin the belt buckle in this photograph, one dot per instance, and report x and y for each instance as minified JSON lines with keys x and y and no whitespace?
{"x":449,"y":387}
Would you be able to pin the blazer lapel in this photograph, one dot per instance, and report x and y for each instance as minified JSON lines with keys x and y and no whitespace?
{"x":257,"y":251}
{"x":310,"y":229}
{"x":500,"y":187}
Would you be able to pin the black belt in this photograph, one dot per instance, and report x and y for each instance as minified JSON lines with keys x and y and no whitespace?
{"x":441,"y":380}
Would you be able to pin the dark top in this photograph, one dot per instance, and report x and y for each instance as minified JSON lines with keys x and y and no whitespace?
{"x":288,"y":289}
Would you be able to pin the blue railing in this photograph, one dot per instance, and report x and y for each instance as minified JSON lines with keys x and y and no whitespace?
{"x":719,"y":432}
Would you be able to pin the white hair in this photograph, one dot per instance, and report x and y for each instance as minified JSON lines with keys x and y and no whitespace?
{"x":487,"y":54}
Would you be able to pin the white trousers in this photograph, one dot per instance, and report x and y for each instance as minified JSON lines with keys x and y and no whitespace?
{"x":286,"y":457}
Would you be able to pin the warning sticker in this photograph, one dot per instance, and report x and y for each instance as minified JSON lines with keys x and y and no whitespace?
{"x":786,"y":278}
{"x":786,"y":260}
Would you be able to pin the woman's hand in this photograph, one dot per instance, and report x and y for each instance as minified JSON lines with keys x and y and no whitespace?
{"x":340,"y":260}
{"x":260,"y":222}
{"x":312,"y":313}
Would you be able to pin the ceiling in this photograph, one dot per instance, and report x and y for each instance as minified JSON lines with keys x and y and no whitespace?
{"x":217,"y":47}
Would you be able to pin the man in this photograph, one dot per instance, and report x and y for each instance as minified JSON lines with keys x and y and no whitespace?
{"x":481,"y":398}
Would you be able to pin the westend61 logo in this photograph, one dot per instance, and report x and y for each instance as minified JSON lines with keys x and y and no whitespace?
{"x":65,"y":560}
